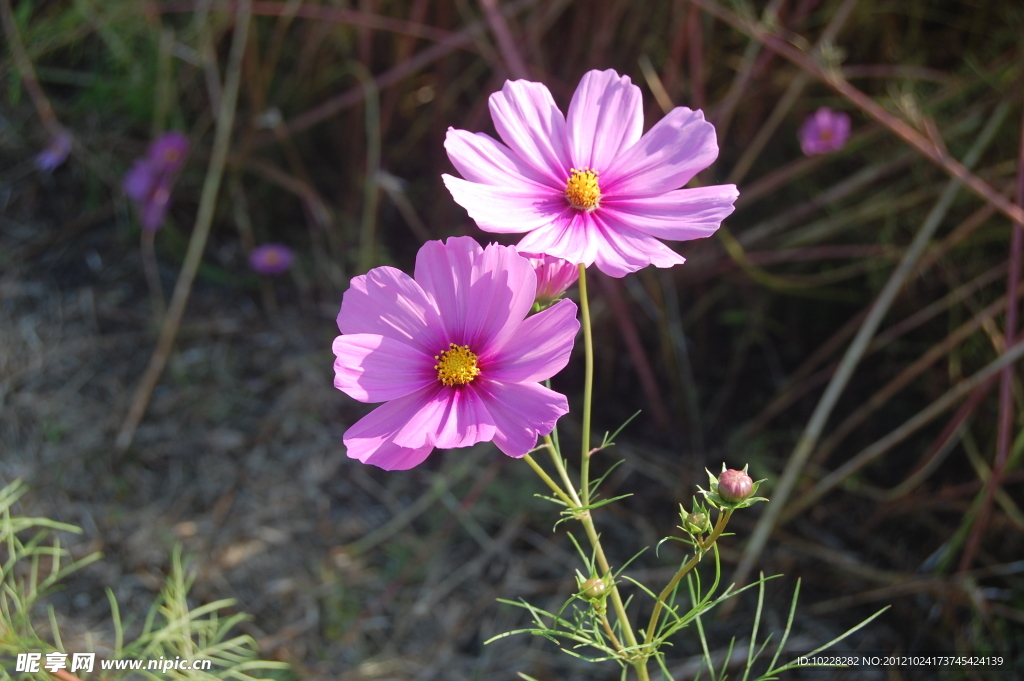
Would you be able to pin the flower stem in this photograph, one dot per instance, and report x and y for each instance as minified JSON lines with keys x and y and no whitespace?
{"x":570,"y":497}
{"x":547,"y":479}
{"x":588,"y":385}
{"x":666,"y":593}
{"x":556,"y":459}
{"x":573,"y":501}
{"x":580,"y":501}
{"x":611,"y":633}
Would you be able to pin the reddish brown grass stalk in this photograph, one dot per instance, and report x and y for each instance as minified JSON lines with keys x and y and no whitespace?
{"x":620,"y":311}
{"x":696,"y":44}
{"x":912,"y":371}
{"x":868,"y":106}
{"x":325,"y":110}
{"x":353,"y":17}
{"x":514,"y":62}
{"x":1005,"y":380}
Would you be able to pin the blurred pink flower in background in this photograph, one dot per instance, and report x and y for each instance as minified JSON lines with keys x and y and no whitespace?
{"x":271,"y":259}
{"x":554,"y":276}
{"x":824,"y":131}
{"x":151,"y":178}
{"x":590,"y":188}
{"x":451,"y":353}
{"x":55,"y":153}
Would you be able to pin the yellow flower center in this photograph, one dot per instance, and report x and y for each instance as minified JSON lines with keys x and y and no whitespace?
{"x":456,"y":365}
{"x":582,"y":189}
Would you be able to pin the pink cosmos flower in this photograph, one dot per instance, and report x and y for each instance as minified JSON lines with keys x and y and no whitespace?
{"x":450,"y":354}
{"x":589,"y":188}
{"x":554,"y":276}
{"x":150,"y":180}
{"x":271,"y":259}
{"x":825,"y":130}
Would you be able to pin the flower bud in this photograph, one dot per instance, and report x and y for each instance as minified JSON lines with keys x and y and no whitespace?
{"x":554,"y":276}
{"x":697,"y":523}
{"x":734,"y":486}
{"x":594,"y":589}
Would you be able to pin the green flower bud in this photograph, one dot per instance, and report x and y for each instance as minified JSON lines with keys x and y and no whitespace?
{"x":697,"y":523}
{"x":594,"y":589}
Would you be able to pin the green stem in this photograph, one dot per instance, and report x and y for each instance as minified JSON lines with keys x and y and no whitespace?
{"x":582,"y":500}
{"x":611,"y":632}
{"x":556,"y":459}
{"x":595,"y":541}
{"x":666,"y":593}
{"x":588,"y":385}
{"x":547,"y":479}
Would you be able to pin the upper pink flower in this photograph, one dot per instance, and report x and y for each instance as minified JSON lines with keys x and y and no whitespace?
{"x":590,"y":188}
{"x":452,"y":354}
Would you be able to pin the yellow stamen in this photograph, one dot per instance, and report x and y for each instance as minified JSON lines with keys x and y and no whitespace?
{"x":457,"y":365}
{"x":582,"y":189}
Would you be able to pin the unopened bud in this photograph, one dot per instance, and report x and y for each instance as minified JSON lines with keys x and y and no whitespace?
{"x":554,"y":276}
{"x":734,"y":486}
{"x":594,"y":589}
{"x":697,"y":523}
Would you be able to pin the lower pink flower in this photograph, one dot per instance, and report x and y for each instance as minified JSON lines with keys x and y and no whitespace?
{"x":452,"y":355}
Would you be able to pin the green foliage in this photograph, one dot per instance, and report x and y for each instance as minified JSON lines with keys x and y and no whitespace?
{"x":583,"y":627}
{"x":33,"y":565}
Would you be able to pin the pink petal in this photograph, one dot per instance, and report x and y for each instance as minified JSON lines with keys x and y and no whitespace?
{"x":371,"y":439}
{"x":506,"y":210}
{"x":624,"y":249}
{"x":481,"y":158}
{"x":387,"y":302}
{"x":522,"y":412}
{"x":372,"y":368}
{"x":569,"y":237}
{"x":529,"y":122}
{"x":502,"y":294}
{"x":479,"y":292}
{"x":678,"y":147}
{"x":450,"y":418}
{"x":445,"y":271}
{"x":538,"y":349}
{"x":606,"y":118}
{"x":678,"y":215}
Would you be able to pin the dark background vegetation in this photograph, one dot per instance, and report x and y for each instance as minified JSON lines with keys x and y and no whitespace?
{"x":354,"y":573}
